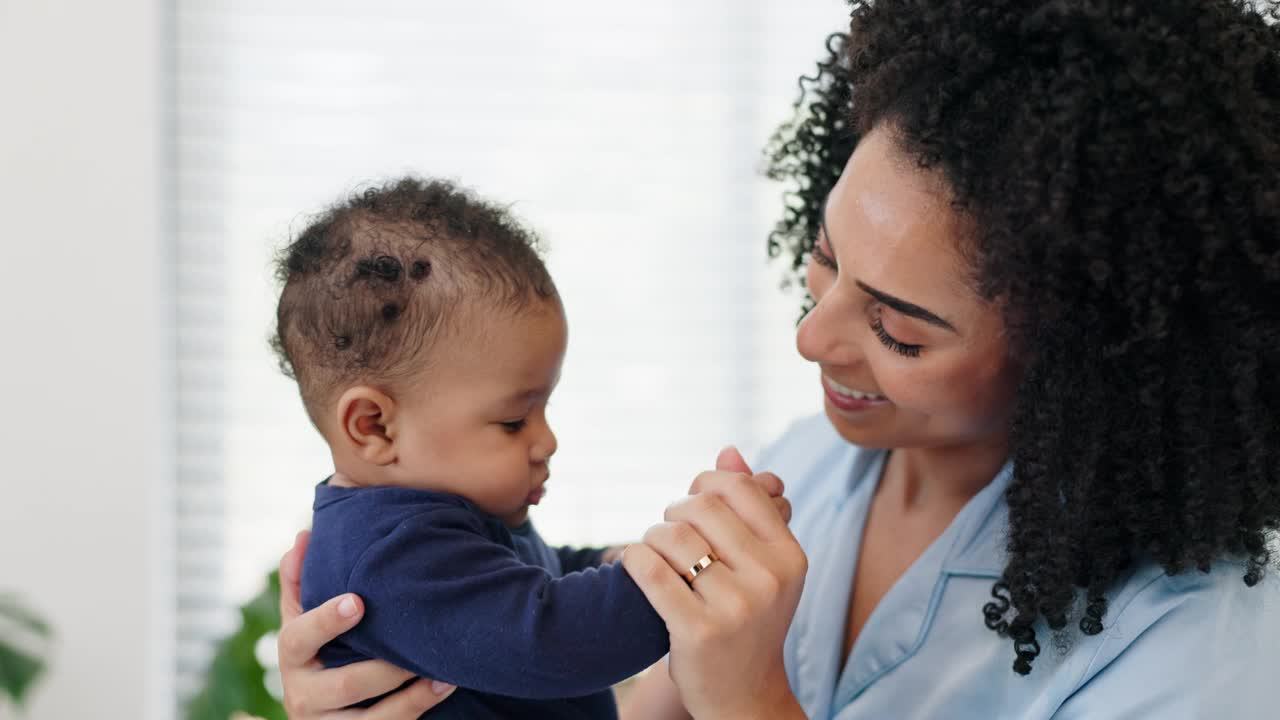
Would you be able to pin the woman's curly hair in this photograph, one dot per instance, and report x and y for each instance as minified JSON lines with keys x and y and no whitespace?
{"x":1121,"y":162}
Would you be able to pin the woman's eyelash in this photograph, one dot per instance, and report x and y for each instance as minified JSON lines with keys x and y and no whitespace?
{"x":892,"y":343}
{"x":822,"y":258}
{"x":513,"y":426}
{"x":877,"y":326}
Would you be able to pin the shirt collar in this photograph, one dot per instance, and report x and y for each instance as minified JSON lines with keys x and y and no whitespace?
{"x":983,"y":523}
{"x":979,"y":547}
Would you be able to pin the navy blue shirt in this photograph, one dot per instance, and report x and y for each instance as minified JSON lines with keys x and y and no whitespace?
{"x":450,"y":593}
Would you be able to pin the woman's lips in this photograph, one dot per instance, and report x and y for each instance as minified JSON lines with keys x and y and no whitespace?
{"x":850,"y":400}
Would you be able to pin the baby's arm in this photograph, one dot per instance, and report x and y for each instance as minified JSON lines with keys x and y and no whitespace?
{"x":573,"y":559}
{"x":445,"y":602}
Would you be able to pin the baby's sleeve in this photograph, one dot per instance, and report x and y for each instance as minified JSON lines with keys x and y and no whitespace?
{"x":444,"y":601}
{"x":574,"y":559}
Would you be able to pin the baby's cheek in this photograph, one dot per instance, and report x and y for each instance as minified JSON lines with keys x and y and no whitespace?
{"x":507,"y":479}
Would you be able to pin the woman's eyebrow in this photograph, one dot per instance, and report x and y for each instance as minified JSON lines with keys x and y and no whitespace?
{"x":902,"y":306}
{"x":906,"y":308}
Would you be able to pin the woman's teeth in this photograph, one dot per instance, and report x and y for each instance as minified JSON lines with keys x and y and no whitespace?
{"x":850,"y":392}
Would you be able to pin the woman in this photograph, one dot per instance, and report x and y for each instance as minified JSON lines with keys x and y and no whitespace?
{"x":1042,"y":241}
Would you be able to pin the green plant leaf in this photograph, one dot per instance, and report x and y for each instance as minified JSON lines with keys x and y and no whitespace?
{"x":19,"y":668}
{"x":18,"y":671}
{"x":235,"y":681}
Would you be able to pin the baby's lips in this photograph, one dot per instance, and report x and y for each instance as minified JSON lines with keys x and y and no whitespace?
{"x":536,"y":496}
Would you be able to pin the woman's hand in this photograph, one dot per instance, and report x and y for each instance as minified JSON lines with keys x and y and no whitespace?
{"x":652,"y":696}
{"x":311,"y":691}
{"x":731,"y":460}
{"x":728,"y":625}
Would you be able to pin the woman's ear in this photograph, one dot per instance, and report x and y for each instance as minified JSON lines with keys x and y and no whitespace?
{"x":365,"y":415}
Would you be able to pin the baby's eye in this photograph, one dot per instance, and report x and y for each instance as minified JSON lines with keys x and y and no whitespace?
{"x":513,"y":426}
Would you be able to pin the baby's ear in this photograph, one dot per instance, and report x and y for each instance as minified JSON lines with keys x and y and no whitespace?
{"x":364,"y":414}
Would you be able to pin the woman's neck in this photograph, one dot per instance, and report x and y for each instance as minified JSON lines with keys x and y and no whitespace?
{"x":930,"y":478}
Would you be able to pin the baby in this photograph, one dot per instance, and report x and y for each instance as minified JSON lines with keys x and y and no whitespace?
{"x":426,"y":336}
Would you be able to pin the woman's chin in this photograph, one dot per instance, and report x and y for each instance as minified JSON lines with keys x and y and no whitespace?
{"x":869,"y":429}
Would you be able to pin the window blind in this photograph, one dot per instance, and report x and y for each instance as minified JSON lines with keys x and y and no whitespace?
{"x":629,"y":137}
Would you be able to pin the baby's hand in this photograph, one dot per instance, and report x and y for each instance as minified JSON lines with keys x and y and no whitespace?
{"x":730,"y":460}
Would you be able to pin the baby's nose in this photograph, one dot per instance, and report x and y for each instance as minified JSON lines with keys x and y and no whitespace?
{"x":545,"y":448}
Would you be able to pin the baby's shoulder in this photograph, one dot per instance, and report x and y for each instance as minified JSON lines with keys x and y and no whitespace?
{"x":365,"y":517}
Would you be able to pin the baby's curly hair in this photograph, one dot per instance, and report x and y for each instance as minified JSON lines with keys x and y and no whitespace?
{"x":1121,"y":161}
{"x":370,"y":284}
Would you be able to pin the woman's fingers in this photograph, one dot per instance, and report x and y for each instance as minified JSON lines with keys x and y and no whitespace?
{"x":291,"y":578}
{"x":771,"y":484}
{"x":727,"y":628}
{"x":410,"y":703}
{"x":751,"y":503}
{"x":783,"y":506}
{"x":678,"y":543}
{"x":313,"y":692}
{"x":665,"y":590}
{"x":719,"y":524}
{"x":354,"y":683}
{"x":768,"y":482}
{"x":681,"y":546}
{"x":301,"y":638}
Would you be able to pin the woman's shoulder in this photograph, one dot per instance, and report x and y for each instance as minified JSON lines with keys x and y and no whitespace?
{"x":1203,"y":640}
{"x":1199,"y":602}
{"x":1199,"y":607}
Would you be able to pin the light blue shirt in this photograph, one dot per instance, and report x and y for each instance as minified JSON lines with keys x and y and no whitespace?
{"x":1189,"y":646}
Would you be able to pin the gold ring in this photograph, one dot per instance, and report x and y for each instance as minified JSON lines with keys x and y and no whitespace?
{"x":700,"y":566}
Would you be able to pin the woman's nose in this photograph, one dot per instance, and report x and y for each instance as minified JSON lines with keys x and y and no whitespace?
{"x":824,"y":335}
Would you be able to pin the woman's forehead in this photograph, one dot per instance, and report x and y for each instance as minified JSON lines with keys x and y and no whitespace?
{"x":892,"y":225}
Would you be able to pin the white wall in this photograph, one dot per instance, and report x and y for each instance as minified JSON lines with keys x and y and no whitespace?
{"x":84,"y":374}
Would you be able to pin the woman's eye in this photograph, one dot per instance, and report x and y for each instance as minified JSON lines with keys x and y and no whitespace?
{"x":821,"y":257}
{"x":889,"y":341}
{"x":513,"y":426}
